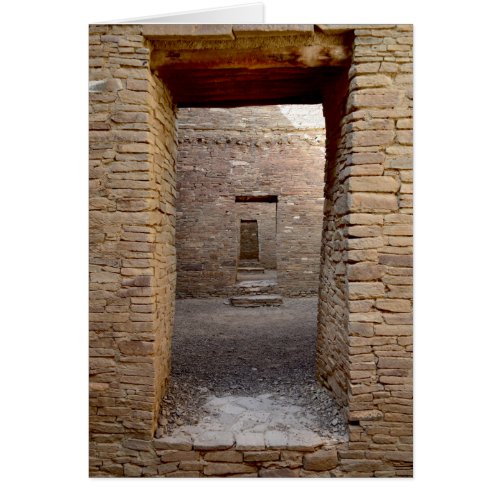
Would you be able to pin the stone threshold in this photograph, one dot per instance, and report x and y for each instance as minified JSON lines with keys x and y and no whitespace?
{"x":256,"y":300}
{"x":268,"y":454}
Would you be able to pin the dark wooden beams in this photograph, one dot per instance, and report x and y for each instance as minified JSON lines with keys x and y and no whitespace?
{"x":245,"y":65}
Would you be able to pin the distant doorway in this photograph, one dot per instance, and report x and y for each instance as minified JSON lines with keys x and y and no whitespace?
{"x":249,"y":240}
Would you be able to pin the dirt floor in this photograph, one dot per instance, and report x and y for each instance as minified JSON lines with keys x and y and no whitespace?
{"x":247,"y":369}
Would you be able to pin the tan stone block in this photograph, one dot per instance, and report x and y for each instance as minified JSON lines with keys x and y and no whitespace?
{"x":364,"y":243}
{"x":369,"y":81}
{"x":361,"y":170}
{"x":384,"y":184}
{"x":396,"y":260}
{"x":136,"y":348}
{"x":400,"y":456}
{"x":178,"y":456}
{"x":404,"y":219}
{"x":370,"y":138}
{"x":389,"y":67}
{"x":320,"y":460}
{"x":365,"y":158}
{"x":129,"y":117}
{"x":365,"y":415}
{"x":405,"y":123}
{"x":366,"y":317}
{"x":364,"y":231}
{"x":368,"y":202}
{"x":362,"y":255}
{"x":365,"y":219}
{"x":400,"y":292}
{"x":362,"y":329}
{"x":364,"y":271}
{"x":109,"y":317}
{"x":405,"y":137}
{"x":365,"y":388}
{"x":359,"y":69}
{"x":192,"y":466}
{"x":399,"y":230}
{"x":393,"y":305}
{"x":401,"y":163}
{"x":393,"y":330}
{"x":406,"y":188}
{"x":398,"y":150}
{"x":261,"y":456}
{"x":365,"y":290}
{"x":221,"y":469}
{"x":360,"y":305}
{"x":133,"y":84}
{"x":224,"y":456}
{"x":166,"y":468}
{"x":184,"y":473}
{"x":279,"y":472}
{"x":374,"y":99}
{"x":135,"y":97}
{"x":395,"y":363}
{"x":398,"y":318}
{"x":104,"y":277}
{"x":174,"y":442}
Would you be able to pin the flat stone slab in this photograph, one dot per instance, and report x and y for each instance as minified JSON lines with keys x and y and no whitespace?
{"x":251,"y":269}
{"x":256,"y":283}
{"x":276,"y":440}
{"x":256,"y":300}
{"x":304,"y":440}
{"x":250,"y":441}
{"x":213,"y":440}
{"x":176,"y":441}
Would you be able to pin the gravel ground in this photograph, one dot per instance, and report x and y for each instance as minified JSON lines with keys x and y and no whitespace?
{"x":220,"y":350}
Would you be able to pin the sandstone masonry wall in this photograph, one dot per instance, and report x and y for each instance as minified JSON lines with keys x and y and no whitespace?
{"x":364,"y":332}
{"x":365,"y":312}
{"x":224,"y":153}
{"x":132,"y":252}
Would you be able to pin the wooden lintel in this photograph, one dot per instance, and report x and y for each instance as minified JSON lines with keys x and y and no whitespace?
{"x":309,"y":56}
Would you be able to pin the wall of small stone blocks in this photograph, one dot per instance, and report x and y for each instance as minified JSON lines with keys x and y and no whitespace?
{"x":365,"y":312}
{"x":268,"y":150}
{"x":132,"y":252}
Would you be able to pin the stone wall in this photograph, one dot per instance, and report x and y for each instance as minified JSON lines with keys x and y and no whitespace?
{"x":224,"y":153}
{"x":132,"y":253}
{"x":364,"y":332}
{"x":216,"y":454}
{"x":365,"y":311}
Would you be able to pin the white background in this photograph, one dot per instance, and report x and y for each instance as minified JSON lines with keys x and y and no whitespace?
{"x":44,"y":254}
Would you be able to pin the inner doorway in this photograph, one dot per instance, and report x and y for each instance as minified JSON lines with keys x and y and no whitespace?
{"x":249,"y":240}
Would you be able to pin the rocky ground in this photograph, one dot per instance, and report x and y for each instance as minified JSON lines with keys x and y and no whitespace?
{"x":223,"y":356}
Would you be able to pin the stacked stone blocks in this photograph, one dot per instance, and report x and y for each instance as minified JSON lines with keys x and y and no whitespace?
{"x":365,"y":323}
{"x":132,"y":254}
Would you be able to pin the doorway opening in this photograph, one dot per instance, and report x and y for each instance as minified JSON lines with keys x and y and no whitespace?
{"x":244,"y":346}
{"x":249,"y":241}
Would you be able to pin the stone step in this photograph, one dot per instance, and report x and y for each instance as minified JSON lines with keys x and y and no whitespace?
{"x":250,"y":270}
{"x":256,"y":287}
{"x":256,"y":300}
